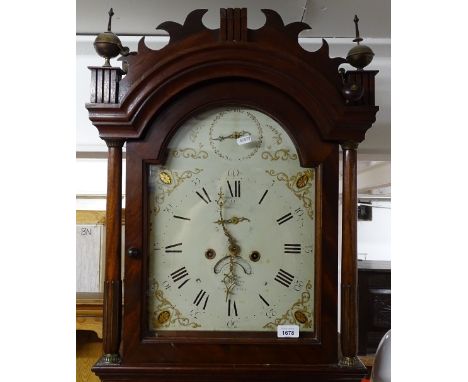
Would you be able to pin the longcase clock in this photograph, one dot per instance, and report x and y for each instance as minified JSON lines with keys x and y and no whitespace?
{"x":231,"y":239}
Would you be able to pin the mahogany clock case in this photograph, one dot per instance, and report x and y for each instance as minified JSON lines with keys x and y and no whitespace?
{"x":201,"y":69}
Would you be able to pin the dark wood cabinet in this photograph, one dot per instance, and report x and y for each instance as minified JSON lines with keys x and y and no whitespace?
{"x":374,"y":284}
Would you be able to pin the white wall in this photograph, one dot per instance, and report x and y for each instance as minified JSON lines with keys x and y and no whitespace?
{"x":91,"y":183}
{"x":374,"y":235}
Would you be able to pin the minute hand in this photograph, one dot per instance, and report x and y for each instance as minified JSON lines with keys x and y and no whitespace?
{"x":231,"y":279}
{"x":234,"y":135}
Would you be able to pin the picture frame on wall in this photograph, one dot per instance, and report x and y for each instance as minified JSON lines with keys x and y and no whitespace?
{"x":364,"y":211}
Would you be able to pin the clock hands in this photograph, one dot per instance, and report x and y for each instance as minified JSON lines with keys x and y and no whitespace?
{"x":234,"y":135}
{"x":233,"y":220}
{"x":231,"y":279}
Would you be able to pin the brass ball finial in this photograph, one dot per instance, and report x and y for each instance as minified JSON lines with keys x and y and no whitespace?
{"x":108,"y":45}
{"x":361,"y":55}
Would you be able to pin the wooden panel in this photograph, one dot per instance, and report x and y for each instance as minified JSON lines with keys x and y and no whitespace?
{"x":104,"y":84}
{"x":89,"y":249}
{"x":94,"y":217}
{"x":90,"y":253}
{"x":90,"y":217}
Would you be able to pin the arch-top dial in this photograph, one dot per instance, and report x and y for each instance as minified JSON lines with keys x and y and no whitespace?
{"x":232,"y":226}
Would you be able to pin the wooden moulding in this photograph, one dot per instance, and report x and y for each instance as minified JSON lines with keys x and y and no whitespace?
{"x":233,"y":25}
{"x":90,"y":217}
{"x":228,"y":373}
{"x":94,"y":217}
{"x":89,"y":312}
{"x":365,"y":79}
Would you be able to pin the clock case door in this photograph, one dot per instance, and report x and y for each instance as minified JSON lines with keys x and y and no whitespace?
{"x":139,"y":345}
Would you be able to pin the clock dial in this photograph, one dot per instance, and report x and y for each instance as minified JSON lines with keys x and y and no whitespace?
{"x":232,"y":228}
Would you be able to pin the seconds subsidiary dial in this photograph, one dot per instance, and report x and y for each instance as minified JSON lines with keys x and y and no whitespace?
{"x":232,"y":226}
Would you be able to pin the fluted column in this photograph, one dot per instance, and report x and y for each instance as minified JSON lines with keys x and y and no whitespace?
{"x":349,"y":309}
{"x":112,"y":314}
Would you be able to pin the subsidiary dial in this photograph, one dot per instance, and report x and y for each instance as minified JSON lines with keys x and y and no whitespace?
{"x":235,"y":134}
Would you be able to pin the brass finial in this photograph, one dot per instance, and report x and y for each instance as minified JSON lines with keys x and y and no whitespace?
{"x":108,"y":45}
{"x":361,"y":55}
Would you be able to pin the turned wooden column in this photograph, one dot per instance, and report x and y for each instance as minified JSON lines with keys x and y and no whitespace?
{"x":349,"y":309}
{"x":112,"y":312}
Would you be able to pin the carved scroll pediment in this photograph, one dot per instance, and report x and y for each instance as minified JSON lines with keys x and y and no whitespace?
{"x":193,"y":35}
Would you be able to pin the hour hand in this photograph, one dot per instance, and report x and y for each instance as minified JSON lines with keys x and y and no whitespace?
{"x":233,"y":220}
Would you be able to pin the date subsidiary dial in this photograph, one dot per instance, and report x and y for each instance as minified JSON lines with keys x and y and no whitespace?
{"x":235,"y":134}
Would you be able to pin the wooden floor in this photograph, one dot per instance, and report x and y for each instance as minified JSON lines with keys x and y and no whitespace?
{"x":88,"y":350}
{"x":368,"y":361}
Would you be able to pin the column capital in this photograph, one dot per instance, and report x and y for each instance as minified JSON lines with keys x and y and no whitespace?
{"x":115,"y":142}
{"x":349,"y":145}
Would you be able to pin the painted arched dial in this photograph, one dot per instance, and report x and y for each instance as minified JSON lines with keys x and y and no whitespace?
{"x":232,"y":223}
